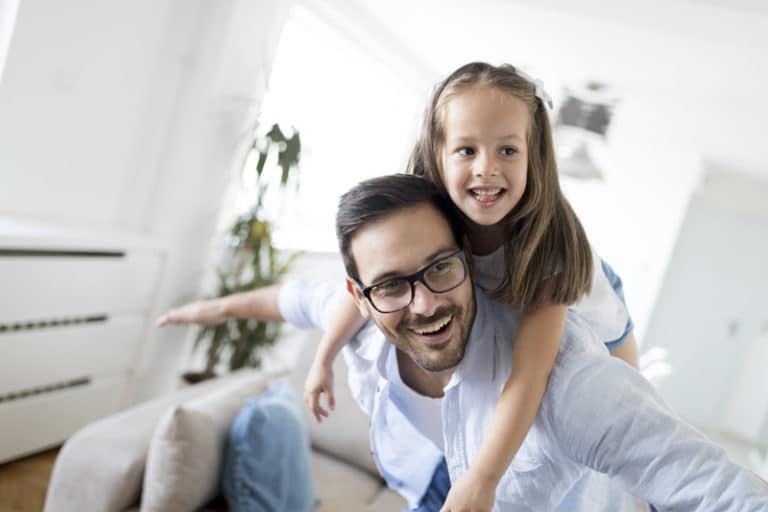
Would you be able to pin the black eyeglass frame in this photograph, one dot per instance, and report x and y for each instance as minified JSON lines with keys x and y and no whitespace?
{"x":416,"y":277}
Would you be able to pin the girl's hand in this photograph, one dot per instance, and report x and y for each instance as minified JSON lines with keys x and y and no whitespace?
{"x":470,"y":494}
{"x":319,"y":381}
{"x":206,"y":312}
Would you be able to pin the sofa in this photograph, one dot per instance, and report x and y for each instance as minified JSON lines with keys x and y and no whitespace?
{"x":167,"y":454}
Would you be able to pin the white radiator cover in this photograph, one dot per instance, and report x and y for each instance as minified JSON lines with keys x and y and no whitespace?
{"x":74,"y":310}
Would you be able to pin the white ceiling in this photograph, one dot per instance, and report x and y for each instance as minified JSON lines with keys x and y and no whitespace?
{"x":694,"y":70}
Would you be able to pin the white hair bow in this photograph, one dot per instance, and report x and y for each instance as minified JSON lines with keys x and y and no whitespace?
{"x":539,"y":88}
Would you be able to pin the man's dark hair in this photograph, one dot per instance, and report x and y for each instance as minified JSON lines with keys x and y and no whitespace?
{"x":375,"y":198}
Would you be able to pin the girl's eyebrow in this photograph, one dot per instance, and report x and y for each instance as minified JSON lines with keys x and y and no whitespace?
{"x":469,"y":138}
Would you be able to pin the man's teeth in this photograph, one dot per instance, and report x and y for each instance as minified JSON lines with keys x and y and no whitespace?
{"x":486,"y":194}
{"x":431,"y":329}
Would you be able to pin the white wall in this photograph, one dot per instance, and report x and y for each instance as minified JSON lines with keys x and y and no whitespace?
{"x":712,"y":312}
{"x":128,"y":117}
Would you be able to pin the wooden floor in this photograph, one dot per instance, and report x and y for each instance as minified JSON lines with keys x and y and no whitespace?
{"x":23,"y":482}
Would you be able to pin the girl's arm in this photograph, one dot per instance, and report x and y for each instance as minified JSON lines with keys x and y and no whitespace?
{"x":536,"y":347}
{"x":320,"y":377}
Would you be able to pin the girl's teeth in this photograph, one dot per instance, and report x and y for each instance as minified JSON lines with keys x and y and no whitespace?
{"x":486,"y":195}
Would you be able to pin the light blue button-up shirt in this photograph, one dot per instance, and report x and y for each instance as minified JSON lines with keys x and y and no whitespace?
{"x":601,"y":428}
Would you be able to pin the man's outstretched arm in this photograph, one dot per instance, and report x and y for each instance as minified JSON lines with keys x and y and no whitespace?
{"x":608,"y":417}
{"x":258,"y":304}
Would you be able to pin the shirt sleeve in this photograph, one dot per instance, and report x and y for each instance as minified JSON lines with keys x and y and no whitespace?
{"x":308,"y":304}
{"x":609,"y":418}
{"x":603,"y":308}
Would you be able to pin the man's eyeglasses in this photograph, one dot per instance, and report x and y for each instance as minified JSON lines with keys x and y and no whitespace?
{"x":396,"y":293}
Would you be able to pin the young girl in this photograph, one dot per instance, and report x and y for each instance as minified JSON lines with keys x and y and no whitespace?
{"x":486,"y":141}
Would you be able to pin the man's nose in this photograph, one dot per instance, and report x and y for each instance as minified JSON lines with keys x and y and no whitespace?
{"x":485,"y":165}
{"x":424,"y":300}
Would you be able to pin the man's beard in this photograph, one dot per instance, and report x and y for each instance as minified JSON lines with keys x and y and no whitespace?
{"x":441,"y":357}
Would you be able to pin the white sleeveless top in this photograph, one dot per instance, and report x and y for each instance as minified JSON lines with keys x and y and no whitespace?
{"x":602,"y":308}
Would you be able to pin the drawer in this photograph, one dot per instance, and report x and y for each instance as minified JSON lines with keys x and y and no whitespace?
{"x":42,"y":357}
{"x":43,"y":285}
{"x":30,"y":425}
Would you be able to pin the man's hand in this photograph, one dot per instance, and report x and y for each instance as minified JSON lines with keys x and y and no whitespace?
{"x":470,"y":493}
{"x":207,"y":312}
{"x":319,"y":381}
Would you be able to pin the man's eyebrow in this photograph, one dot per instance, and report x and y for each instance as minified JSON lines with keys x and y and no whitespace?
{"x":443,"y":251}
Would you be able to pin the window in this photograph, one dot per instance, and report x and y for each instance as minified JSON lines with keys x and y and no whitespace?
{"x":356,"y":118}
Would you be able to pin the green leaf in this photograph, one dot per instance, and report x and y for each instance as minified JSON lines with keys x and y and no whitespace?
{"x":260,"y":163}
{"x":275,"y":134}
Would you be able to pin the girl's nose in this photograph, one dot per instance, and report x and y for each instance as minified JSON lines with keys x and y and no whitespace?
{"x":485,"y":166}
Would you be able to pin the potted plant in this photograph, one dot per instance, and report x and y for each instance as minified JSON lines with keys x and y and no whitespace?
{"x":251,"y":261}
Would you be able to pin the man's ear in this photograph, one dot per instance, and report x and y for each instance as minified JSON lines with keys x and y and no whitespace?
{"x":360,"y":300}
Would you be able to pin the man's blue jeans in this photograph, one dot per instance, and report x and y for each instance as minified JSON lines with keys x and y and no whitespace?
{"x":433,"y":499}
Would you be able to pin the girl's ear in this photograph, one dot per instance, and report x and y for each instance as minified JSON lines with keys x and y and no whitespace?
{"x":360,"y":300}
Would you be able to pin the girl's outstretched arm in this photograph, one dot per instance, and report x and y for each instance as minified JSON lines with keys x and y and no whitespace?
{"x":320,"y":377}
{"x":536,"y":346}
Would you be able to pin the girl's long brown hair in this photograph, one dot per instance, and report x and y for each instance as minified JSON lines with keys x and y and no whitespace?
{"x":547,"y":254}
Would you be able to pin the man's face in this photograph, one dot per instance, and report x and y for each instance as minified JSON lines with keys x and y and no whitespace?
{"x":434,"y":329}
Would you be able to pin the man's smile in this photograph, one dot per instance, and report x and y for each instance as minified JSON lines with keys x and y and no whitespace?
{"x":435,"y":332}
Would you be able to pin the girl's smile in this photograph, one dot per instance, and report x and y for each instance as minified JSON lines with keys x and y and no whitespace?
{"x":487,"y":197}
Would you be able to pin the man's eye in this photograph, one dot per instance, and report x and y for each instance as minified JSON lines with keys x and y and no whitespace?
{"x":441,"y":266}
{"x":465,"y":151}
{"x":391,"y":287}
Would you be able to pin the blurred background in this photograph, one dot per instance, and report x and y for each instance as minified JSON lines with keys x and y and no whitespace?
{"x":124,"y":127}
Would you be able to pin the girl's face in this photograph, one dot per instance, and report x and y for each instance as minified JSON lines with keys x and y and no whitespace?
{"x":484,"y":160}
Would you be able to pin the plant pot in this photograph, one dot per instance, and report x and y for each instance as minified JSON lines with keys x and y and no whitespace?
{"x":195,"y":377}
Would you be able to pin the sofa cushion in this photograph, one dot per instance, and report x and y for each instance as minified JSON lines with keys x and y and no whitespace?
{"x":186,"y":451}
{"x":354,"y":444}
{"x":343,"y":487}
{"x":267,"y":465}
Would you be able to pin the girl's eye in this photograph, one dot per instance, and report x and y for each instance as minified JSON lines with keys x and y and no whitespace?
{"x":465,"y":151}
{"x":508,"y":151}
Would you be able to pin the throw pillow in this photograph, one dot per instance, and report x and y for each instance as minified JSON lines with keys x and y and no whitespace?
{"x":187,"y":447}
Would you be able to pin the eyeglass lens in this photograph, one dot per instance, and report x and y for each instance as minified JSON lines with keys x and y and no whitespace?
{"x":397,"y":293}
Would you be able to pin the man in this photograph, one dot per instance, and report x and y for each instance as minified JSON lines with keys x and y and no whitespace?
{"x":430,"y":374}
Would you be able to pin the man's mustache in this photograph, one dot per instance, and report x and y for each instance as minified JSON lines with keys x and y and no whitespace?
{"x":441,"y":312}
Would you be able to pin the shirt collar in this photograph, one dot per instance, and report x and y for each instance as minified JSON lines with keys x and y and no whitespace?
{"x":480,"y":335}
